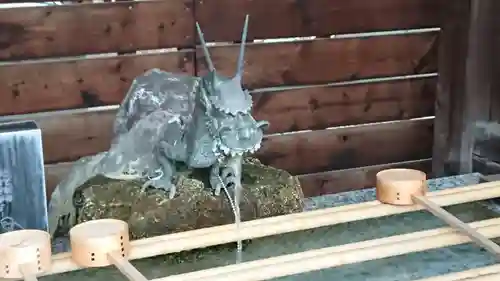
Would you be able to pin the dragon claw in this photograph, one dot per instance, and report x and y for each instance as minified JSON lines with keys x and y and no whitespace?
{"x":163,"y":182}
{"x":217,"y":184}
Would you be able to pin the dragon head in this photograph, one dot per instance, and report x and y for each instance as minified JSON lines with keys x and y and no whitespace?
{"x":229,"y":107}
{"x":239,"y":134}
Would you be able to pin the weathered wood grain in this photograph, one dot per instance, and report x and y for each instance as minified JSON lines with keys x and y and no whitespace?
{"x":68,"y":136}
{"x":349,"y":147}
{"x":288,"y":110}
{"x":39,"y":86}
{"x":323,"y":107}
{"x":311,"y":108}
{"x":467,"y":78}
{"x":492,"y":45}
{"x":331,"y":182}
{"x":34,"y":87}
{"x":286,"y":18}
{"x":317,"y":184}
{"x":327,"y":60}
{"x":65,"y":30}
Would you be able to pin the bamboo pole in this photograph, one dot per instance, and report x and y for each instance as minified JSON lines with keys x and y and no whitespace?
{"x":313,"y":260}
{"x":211,"y":236}
{"x":459,"y":225}
{"x":487,"y":273}
{"x":125,"y":267}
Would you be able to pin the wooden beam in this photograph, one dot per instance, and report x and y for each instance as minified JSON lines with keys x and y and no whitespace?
{"x":73,"y":83}
{"x":495,"y":96}
{"x":321,"y":18}
{"x":335,"y":256}
{"x":316,"y":108}
{"x":70,"y":30}
{"x":348,"y":147}
{"x":287,"y":110}
{"x":326,"y":60}
{"x":464,"y":83}
{"x":488,"y":133}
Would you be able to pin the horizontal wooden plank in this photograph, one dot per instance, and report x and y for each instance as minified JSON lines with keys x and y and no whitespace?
{"x":65,"y":30}
{"x":68,"y":136}
{"x":316,"y":184}
{"x":332,"y":182}
{"x":288,"y":110}
{"x":349,"y":147}
{"x":32,"y":87}
{"x":28,"y":87}
{"x":285,"y":18}
{"x":327,"y":60}
{"x":323,"y":107}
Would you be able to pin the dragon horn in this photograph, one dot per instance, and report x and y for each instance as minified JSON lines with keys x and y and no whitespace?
{"x":241,"y":60}
{"x":205,"y":49}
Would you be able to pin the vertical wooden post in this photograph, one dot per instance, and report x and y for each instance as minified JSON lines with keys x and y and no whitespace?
{"x":495,"y":59}
{"x":464,"y":83}
{"x":487,"y":147}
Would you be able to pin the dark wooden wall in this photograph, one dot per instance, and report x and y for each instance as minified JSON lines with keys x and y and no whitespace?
{"x":467,"y":128}
{"x":324,"y":84}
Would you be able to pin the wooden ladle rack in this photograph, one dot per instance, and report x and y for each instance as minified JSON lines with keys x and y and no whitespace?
{"x":26,"y":254}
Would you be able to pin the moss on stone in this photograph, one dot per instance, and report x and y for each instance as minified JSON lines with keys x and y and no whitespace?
{"x":267,"y":192}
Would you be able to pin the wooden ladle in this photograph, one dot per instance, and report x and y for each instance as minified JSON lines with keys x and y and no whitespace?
{"x":24,"y":254}
{"x":408,"y":187}
{"x":101,"y":243}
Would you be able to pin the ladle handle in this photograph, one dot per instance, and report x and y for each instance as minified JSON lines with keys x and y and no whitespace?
{"x":125,"y":267}
{"x":27,"y":273}
{"x":459,"y":225}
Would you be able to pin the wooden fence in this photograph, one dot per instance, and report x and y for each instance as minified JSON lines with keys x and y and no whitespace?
{"x":311,"y":87}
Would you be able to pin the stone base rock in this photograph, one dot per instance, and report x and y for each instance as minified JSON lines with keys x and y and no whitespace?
{"x":266,"y":192}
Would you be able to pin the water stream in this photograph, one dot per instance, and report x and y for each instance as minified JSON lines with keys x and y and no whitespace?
{"x":236,"y":163}
{"x":237,"y":219}
{"x":235,"y":206}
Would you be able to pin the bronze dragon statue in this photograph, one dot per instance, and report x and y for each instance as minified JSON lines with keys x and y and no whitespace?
{"x":169,"y":120}
{"x":213,"y":127}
